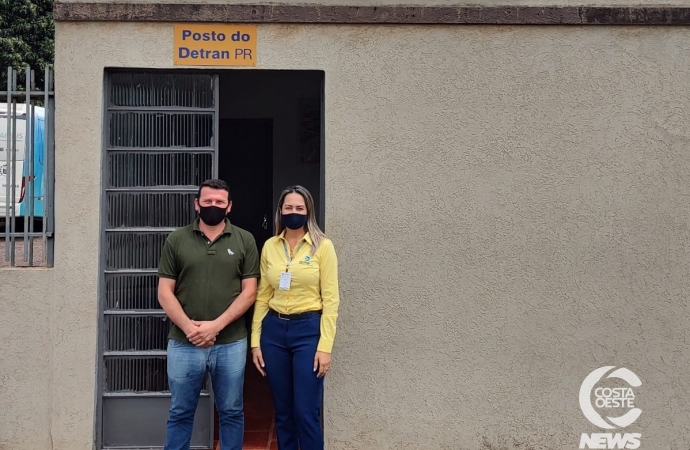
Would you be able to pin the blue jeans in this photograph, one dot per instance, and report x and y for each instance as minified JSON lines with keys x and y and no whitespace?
{"x":187,"y":366}
{"x":288,"y":348}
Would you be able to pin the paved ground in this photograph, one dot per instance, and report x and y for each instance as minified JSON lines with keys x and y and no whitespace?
{"x":39,"y":256}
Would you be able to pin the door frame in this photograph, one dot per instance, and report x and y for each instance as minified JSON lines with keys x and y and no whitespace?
{"x":98,"y":422}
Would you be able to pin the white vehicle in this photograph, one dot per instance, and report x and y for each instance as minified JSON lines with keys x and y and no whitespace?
{"x":19,"y":186}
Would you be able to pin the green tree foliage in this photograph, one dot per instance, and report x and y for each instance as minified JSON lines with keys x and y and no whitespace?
{"x":27,"y":37}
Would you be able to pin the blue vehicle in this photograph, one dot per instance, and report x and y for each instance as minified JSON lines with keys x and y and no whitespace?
{"x":26,"y":176}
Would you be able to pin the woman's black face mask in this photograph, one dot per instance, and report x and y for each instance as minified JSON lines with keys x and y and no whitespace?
{"x":294,"y":221}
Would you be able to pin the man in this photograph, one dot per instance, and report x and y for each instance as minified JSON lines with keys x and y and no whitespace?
{"x":207,"y":280}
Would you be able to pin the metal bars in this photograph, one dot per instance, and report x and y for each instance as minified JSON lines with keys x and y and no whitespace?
{"x":27,"y":152}
{"x":160,"y":145}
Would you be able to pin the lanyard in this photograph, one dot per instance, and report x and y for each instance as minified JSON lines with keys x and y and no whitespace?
{"x":287,"y":255}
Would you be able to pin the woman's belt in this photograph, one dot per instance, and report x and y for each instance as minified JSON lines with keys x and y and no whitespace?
{"x":304,"y":315}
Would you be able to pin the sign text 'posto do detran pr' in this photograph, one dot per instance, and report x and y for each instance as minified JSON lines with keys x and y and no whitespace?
{"x":214,"y":37}
{"x":215,"y":45}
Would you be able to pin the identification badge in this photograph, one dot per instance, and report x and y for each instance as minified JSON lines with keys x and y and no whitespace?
{"x":285,"y":278}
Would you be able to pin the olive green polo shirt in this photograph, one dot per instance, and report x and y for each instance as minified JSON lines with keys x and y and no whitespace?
{"x":209,"y":274}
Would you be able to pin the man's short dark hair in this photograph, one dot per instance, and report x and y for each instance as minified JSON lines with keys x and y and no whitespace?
{"x":215,"y":184}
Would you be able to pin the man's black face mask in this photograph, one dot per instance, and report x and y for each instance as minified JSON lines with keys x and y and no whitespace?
{"x":212,"y":215}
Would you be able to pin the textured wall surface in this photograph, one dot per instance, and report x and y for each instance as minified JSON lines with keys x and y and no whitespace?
{"x":25,"y":358}
{"x":77,"y":201}
{"x":510,"y":206}
{"x":409,"y":2}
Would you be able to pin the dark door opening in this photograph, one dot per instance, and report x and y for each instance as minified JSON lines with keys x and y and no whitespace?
{"x":246,"y":164}
{"x":270,"y":136}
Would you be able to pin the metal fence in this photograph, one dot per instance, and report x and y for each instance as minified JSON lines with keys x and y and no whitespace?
{"x":27,"y":175}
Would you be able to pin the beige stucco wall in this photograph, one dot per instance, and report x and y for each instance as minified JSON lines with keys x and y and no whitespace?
{"x":25,"y":358}
{"x":77,"y":201}
{"x":510,"y":209}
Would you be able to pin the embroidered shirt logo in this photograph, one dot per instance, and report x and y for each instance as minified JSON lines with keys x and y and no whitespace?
{"x":230,"y":252}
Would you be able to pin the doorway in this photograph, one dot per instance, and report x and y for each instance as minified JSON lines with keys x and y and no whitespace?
{"x":269,"y":137}
{"x":165,"y":132}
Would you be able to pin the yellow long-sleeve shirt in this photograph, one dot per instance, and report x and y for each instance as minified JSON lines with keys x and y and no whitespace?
{"x":313,"y":285}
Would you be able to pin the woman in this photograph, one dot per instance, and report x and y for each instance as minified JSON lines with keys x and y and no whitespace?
{"x":294,"y":319}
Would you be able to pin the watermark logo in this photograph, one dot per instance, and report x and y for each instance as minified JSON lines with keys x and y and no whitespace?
{"x":607,"y":401}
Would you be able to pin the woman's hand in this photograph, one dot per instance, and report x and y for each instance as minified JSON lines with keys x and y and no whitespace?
{"x":258,"y":359}
{"x":322,"y":362}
